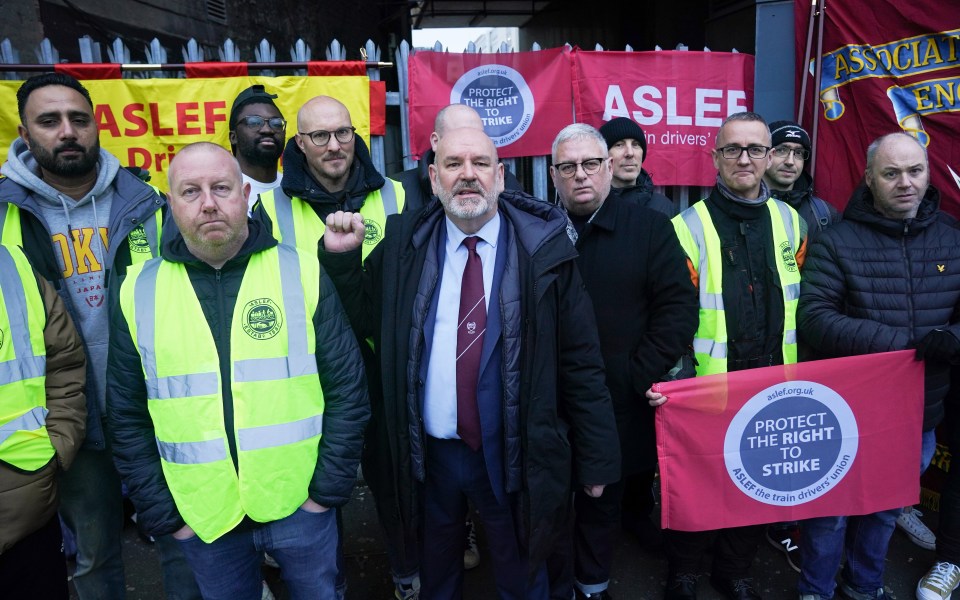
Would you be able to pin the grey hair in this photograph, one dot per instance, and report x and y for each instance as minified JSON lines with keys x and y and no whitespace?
{"x":578,"y":131}
{"x":875,"y":146}
{"x":747,"y":116}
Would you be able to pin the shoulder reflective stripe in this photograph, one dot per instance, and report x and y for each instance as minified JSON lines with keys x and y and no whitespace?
{"x":790,"y":336}
{"x":787,"y":217}
{"x":283,"y":206}
{"x":193,"y":453}
{"x":274,"y":369}
{"x":293,"y":302}
{"x":21,"y":369}
{"x":3,"y":217}
{"x":15,"y":299}
{"x":153,"y":239}
{"x":29,"y":421}
{"x":182,"y":386}
{"x":791,"y":291}
{"x":145,"y":305}
{"x":695,"y":225}
{"x":388,"y":196}
{"x":710,"y":347}
{"x":270,"y":436}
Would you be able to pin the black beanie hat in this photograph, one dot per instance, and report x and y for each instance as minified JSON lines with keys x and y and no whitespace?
{"x":255,"y":94}
{"x":622,"y":128}
{"x":789,"y":131}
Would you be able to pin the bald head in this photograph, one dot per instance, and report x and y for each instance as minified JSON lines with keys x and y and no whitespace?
{"x":191,"y":152}
{"x":454,"y":116}
{"x":331,"y":162}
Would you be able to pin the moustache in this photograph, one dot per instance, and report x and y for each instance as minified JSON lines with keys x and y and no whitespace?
{"x":472,"y":186}
{"x":334,"y":156}
{"x":68,"y":146}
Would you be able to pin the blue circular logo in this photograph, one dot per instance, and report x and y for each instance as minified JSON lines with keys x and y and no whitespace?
{"x":501,"y":97}
{"x":791,"y":443}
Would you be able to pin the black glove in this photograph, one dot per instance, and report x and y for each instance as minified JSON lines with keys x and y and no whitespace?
{"x":939,"y":345}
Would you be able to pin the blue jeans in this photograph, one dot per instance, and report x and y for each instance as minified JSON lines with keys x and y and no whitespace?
{"x":303,"y":544}
{"x":178,"y":580}
{"x":91,"y":504}
{"x":863,"y":539}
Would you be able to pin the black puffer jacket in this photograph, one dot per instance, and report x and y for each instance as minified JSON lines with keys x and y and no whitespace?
{"x":642,"y":193}
{"x":339,"y":366}
{"x":553,"y":378}
{"x":874,"y":284}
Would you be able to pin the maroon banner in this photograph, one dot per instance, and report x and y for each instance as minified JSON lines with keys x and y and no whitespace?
{"x":522,"y":97}
{"x":210,"y":70}
{"x":679,"y":99}
{"x":829,"y":437}
{"x":86,"y":71}
{"x":897,"y":70}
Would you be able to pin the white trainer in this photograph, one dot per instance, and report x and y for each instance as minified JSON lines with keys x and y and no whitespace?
{"x":909,"y":522}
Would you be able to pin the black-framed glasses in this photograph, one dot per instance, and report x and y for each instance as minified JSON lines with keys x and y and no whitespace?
{"x":256,"y":122}
{"x":733,"y":152}
{"x":591,"y":166}
{"x":784,"y":152}
{"x":321,"y":137}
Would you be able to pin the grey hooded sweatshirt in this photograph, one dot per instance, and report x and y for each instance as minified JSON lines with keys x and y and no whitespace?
{"x":80,"y":234}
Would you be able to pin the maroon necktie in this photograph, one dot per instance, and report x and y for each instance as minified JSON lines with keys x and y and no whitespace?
{"x":471,"y":325}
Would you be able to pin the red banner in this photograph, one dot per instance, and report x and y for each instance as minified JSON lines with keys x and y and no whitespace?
{"x":679,"y":99}
{"x":829,"y":437}
{"x":886,"y":66}
{"x":522,"y":97}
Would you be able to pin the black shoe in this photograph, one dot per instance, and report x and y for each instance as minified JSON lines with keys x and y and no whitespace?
{"x":735,"y":589}
{"x":601,"y":595}
{"x":682,"y":586}
{"x":788,"y":542}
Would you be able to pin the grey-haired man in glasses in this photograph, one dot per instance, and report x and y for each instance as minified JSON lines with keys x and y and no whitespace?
{"x":257,"y":134}
{"x":790,"y":182}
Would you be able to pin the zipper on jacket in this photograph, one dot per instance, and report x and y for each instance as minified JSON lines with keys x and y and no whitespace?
{"x":909,"y":278}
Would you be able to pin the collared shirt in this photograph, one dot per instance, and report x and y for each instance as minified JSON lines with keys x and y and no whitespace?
{"x":440,"y":399}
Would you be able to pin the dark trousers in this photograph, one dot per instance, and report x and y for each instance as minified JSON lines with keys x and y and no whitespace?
{"x":455,"y":473}
{"x":948,"y":536}
{"x":637,"y":503}
{"x":733,"y":553}
{"x":596,"y":526}
{"x":35,"y":567}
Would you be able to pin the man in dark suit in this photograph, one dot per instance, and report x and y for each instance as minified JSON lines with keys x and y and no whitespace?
{"x":490,"y":357}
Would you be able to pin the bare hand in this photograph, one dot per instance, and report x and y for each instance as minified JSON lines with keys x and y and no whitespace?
{"x":313,"y":507}
{"x":594,"y":491}
{"x":183,"y":533}
{"x":654,"y":398}
{"x":344,"y":232}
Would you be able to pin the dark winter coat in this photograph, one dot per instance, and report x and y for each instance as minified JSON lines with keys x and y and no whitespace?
{"x":817,"y":212}
{"x":642,"y":193}
{"x":339,"y":366}
{"x":647,"y":312}
{"x":419,"y":192}
{"x":875,"y":284}
{"x":553,"y":381}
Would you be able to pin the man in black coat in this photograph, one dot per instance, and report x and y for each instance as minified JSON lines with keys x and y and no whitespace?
{"x":536,"y":419}
{"x":627,"y":146}
{"x":647,"y":312}
{"x":885,"y":278}
{"x":416,"y":181}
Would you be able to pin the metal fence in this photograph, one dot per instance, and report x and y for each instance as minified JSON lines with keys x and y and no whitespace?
{"x":532,"y":171}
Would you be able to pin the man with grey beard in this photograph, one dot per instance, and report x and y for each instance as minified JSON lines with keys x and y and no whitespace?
{"x":489,"y":354}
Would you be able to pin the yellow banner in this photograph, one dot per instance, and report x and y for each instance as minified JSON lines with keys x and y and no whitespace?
{"x":144,"y":122}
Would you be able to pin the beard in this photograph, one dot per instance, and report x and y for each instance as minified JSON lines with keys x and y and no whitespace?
{"x":464,"y":208}
{"x":52,"y":162}
{"x":257,"y":155}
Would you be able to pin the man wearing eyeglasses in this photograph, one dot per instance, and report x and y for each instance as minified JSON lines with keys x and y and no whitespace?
{"x":327,"y":168}
{"x":257,"y":134}
{"x":634,"y":270}
{"x":790,"y":182}
{"x":747,"y":248}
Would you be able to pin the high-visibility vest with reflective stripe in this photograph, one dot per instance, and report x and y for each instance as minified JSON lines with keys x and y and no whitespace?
{"x":24,"y":442}
{"x":297,"y":224}
{"x":700,"y":240}
{"x":143,"y":240}
{"x":277,"y":400}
